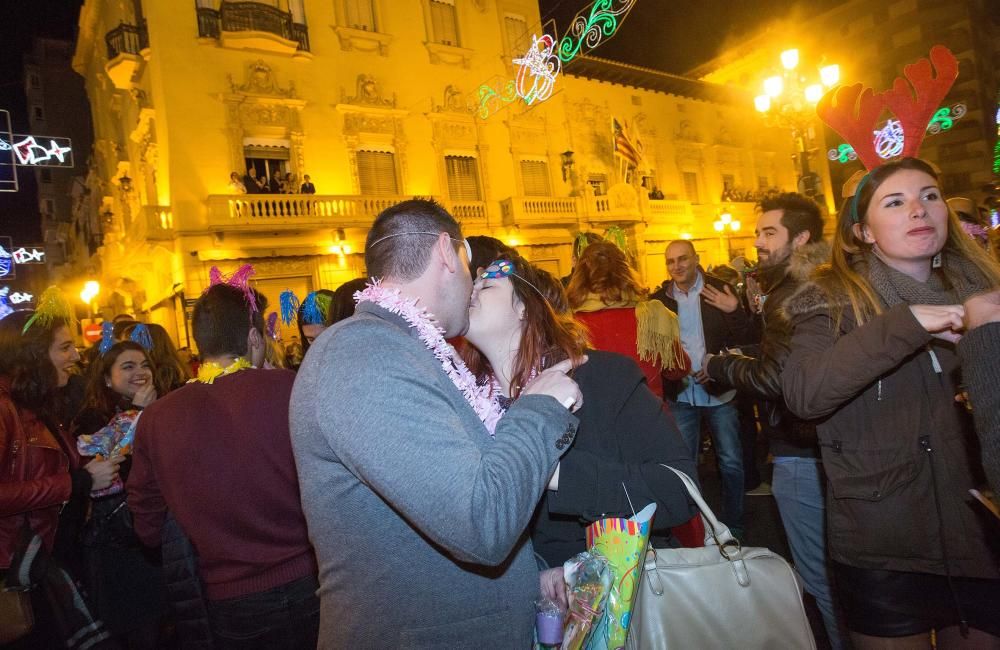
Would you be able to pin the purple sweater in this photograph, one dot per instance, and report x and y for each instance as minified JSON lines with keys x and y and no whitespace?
{"x":218,"y":456}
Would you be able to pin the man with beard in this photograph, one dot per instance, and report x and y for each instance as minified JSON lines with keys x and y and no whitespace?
{"x":416,"y":493}
{"x":789,"y":246}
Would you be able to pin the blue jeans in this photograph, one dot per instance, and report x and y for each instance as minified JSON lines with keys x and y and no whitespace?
{"x":798,"y":485}
{"x":286,"y":616}
{"x":724,"y":423}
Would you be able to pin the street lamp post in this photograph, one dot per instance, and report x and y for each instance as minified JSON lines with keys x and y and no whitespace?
{"x":725,"y":225}
{"x":90,"y":290}
{"x":789,"y":101}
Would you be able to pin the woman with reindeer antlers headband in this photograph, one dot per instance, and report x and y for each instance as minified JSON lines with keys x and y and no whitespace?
{"x":873,"y":361}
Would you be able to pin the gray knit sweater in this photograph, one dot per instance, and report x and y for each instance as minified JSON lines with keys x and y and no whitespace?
{"x":416,"y":514}
{"x":980,"y":354}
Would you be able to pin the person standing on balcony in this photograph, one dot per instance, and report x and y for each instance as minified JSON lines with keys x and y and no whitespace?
{"x":277,"y":180}
{"x":711,"y":320}
{"x":250,"y":182}
{"x":307,"y":186}
{"x":236,"y":185}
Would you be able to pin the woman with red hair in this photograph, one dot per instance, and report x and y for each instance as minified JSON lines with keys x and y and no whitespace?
{"x":608,"y":299}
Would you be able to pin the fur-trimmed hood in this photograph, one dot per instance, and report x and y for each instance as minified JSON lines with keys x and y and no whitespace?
{"x":799,"y":267}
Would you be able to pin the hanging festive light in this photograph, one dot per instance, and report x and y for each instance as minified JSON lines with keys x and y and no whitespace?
{"x":539,"y":68}
{"x":592,"y":26}
{"x":889,"y":139}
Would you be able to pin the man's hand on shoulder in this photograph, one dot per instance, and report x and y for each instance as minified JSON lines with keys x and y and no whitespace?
{"x":554,"y":382}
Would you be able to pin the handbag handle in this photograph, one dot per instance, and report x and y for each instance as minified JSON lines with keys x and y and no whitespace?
{"x":716,"y":532}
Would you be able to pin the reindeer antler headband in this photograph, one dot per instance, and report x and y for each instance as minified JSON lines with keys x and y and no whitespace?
{"x":853,"y":111}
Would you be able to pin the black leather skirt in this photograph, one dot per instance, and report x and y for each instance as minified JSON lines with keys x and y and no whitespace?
{"x":896,"y":603}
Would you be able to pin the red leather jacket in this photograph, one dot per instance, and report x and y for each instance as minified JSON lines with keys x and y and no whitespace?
{"x":34,"y":475}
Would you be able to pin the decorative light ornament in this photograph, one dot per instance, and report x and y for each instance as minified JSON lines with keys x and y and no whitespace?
{"x":493,"y":97}
{"x":29,"y":152}
{"x":588,"y":31}
{"x":790,"y":59}
{"x":539,"y":67}
{"x":889,"y":139}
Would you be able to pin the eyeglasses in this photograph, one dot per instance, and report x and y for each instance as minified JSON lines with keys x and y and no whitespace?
{"x":468,"y":248}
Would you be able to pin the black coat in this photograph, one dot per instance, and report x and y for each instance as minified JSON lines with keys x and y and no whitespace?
{"x":625,"y":432}
{"x":721,"y":330}
{"x":757,"y":372}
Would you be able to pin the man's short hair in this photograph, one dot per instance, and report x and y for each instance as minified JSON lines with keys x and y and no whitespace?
{"x":690,"y":244}
{"x":394,"y":249}
{"x":222,"y":318}
{"x":799,"y":214}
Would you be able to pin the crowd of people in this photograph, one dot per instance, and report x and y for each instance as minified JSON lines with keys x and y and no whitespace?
{"x":279,"y":183}
{"x":456,"y":420}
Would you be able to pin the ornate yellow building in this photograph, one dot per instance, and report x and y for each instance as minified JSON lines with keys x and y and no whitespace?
{"x":379,"y":100}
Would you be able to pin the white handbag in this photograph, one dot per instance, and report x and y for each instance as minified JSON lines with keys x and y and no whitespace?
{"x":717,"y":596}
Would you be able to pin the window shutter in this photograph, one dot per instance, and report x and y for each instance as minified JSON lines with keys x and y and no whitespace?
{"x":517,"y":34}
{"x":463,"y":178}
{"x":444,"y":22}
{"x":377,"y":173}
{"x":361,"y":15}
{"x":691,"y":187}
{"x":535,"y":178}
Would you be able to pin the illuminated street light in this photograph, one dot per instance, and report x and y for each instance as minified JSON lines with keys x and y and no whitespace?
{"x":829,"y":75}
{"x":762,"y":103}
{"x":773,"y":86}
{"x":90,"y":290}
{"x":725,"y":225}
{"x":814,"y":93}
{"x":790,"y":59}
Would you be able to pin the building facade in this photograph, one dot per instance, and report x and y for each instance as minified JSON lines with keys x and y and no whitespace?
{"x":377,"y":101}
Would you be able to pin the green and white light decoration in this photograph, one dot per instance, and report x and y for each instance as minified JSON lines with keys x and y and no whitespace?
{"x":889,"y":139}
{"x":540,"y":66}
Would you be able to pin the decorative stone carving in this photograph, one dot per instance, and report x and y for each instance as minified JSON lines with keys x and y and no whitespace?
{"x":480,"y":5}
{"x":264,"y":114}
{"x":368,"y":93}
{"x":455,"y":101}
{"x":687,"y":132}
{"x":355,"y":123}
{"x":260,"y":81}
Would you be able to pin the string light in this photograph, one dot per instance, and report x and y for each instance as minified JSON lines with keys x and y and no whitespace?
{"x":541,"y":66}
{"x":587,"y":32}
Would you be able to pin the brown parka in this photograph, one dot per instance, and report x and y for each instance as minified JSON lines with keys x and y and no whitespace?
{"x":897,"y":449}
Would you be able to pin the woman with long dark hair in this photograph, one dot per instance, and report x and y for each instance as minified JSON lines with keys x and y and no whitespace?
{"x":873,"y":361}
{"x":124,"y":580}
{"x":519,"y":325}
{"x":40,"y":471}
{"x":169,"y":372}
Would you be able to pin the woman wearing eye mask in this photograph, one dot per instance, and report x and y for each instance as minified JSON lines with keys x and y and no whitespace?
{"x":873,"y":361}
{"x":520,"y":324}
{"x":124,"y":581}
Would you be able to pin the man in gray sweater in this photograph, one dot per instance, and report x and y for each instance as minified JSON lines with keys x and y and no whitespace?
{"x":416,"y":511}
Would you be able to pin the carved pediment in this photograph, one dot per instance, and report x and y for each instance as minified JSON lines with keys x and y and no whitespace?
{"x":687,"y":132}
{"x":368,"y":92}
{"x":259,"y":79}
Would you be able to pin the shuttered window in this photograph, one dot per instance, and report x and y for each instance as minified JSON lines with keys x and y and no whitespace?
{"x":691,"y":187}
{"x":535,"y":178}
{"x":444,"y":22}
{"x":361,"y":15}
{"x":463,"y":178}
{"x":517,"y":34}
{"x":377,"y":173}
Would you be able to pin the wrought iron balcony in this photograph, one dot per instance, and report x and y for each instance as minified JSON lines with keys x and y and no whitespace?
{"x":127,"y":39}
{"x":251,"y":17}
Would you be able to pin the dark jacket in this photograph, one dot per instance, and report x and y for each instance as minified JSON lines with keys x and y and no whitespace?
{"x":895,"y":445}
{"x":307,"y":188}
{"x":722,"y":330}
{"x":760,"y":375}
{"x":980,"y":352}
{"x":625,"y":432}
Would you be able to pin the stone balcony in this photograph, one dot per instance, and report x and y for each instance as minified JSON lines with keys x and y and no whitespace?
{"x":539,"y":210}
{"x":158,"y":221}
{"x":295,"y":211}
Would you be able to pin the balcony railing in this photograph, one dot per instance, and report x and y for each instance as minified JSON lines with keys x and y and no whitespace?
{"x":251,"y":17}
{"x":296,"y":210}
{"x":539,"y":210}
{"x":127,"y":39}
{"x":468,"y":212}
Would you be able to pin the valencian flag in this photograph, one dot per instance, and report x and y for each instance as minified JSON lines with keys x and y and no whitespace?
{"x":624,"y":147}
